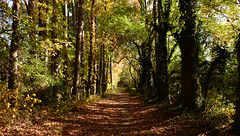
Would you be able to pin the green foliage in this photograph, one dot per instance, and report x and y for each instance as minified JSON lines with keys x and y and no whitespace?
{"x":125,"y":79}
{"x":119,"y":24}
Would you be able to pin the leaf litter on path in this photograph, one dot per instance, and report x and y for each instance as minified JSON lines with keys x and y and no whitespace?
{"x":118,"y":114}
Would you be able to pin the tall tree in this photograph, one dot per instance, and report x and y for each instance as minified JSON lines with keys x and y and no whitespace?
{"x":13,"y":58}
{"x":30,"y":10}
{"x":79,"y":49}
{"x":236,"y":124}
{"x":161,"y":49}
{"x":189,"y":53}
{"x":65,"y":54}
{"x":90,"y":57}
{"x":55,"y":53}
{"x":42,"y":20}
{"x":73,"y":15}
{"x":103,"y":68}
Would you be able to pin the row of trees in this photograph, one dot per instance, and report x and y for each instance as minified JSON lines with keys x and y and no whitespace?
{"x":59,"y":49}
{"x":178,"y":51}
{"x":188,"y":54}
{"x":56,"y":44}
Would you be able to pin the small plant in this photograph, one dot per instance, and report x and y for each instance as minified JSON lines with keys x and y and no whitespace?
{"x":14,"y":105}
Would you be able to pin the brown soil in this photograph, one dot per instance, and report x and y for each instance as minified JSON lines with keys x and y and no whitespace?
{"x":118,"y":114}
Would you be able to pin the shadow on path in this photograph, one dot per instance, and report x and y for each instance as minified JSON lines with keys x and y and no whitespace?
{"x":119,"y":114}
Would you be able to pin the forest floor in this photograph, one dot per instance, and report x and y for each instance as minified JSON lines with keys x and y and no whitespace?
{"x":117,"y":114}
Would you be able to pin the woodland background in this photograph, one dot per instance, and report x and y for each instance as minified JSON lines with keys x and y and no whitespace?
{"x":58,"y":54}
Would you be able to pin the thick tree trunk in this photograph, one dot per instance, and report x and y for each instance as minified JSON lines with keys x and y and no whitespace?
{"x":13,"y":58}
{"x":43,"y":34}
{"x":79,"y":50}
{"x":162,"y":69}
{"x":236,"y":124}
{"x":30,"y":10}
{"x":161,"y":52}
{"x":32,"y":29}
{"x":42,"y":20}
{"x":189,"y":51}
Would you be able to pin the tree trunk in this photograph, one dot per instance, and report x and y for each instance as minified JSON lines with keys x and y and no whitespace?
{"x":103,"y":71}
{"x":55,"y":53}
{"x":236,"y":124}
{"x":99,"y":75}
{"x":43,"y":34}
{"x":111,"y":72}
{"x":65,"y":54}
{"x":30,"y":10}
{"x":161,"y":51}
{"x":90,"y":57}
{"x":74,"y":16}
{"x":13,"y":58}
{"x":79,"y":50}
{"x":32,"y":38}
{"x":42,"y":20}
{"x":189,"y":52}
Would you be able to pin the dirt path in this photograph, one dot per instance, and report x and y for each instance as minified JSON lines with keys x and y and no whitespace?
{"x":118,"y":114}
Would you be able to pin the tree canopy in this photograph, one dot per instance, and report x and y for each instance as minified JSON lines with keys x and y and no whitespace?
{"x":175,"y":52}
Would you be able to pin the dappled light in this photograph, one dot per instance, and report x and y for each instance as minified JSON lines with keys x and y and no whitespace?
{"x":118,"y":114}
{"x":120,"y":67}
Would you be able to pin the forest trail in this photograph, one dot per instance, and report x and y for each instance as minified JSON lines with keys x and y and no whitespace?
{"x":118,"y":114}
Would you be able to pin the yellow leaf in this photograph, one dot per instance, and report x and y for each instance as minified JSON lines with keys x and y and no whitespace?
{"x":8,"y":105}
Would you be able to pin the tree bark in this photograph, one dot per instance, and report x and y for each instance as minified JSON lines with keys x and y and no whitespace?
{"x":79,"y":50}
{"x":100,"y":73}
{"x":43,"y":34}
{"x":55,"y":53}
{"x":111,"y":72}
{"x":65,"y":54}
{"x":90,"y":57}
{"x":103,"y":71}
{"x":14,"y":48}
{"x":236,"y":124}
{"x":74,"y":16}
{"x":161,"y":51}
{"x":189,"y":52}
{"x":42,"y":20}
{"x":32,"y":38}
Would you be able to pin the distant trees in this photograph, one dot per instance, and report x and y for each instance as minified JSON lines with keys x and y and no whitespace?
{"x":74,"y":58}
{"x":173,"y":51}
